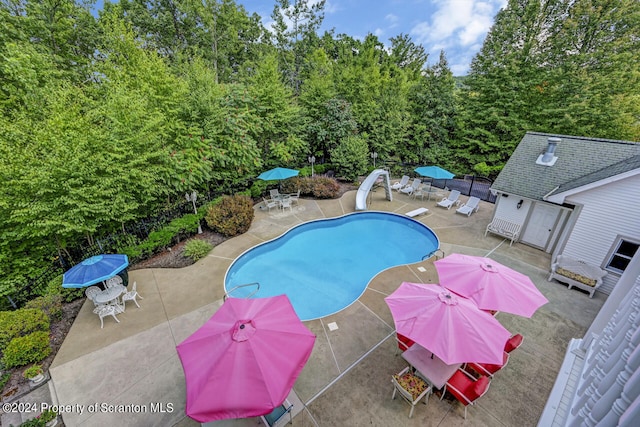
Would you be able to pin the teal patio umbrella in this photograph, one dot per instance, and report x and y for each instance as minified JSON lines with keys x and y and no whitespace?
{"x":278,"y":174}
{"x":434,"y":172}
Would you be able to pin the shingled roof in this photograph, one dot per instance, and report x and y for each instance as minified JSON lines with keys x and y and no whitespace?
{"x":581,"y":161}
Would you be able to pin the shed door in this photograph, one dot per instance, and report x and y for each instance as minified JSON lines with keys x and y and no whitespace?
{"x":540,"y":225}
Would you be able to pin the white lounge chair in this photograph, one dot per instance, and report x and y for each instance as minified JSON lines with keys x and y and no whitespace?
{"x":472,"y":205}
{"x":401,"y":184}
{"x":409,"y":189}
{"x":449,"y":201}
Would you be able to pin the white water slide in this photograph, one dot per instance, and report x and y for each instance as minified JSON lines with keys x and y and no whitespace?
{"x":365,"y":187}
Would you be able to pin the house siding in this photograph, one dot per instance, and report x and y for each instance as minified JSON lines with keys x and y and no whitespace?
{"x":607,"y":212}
{"x":506,"y":208}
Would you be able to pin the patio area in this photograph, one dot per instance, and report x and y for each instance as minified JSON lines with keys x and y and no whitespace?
{"x":129,"y":373}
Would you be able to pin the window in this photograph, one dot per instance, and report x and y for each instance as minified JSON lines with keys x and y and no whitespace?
{"x":621,"y":256}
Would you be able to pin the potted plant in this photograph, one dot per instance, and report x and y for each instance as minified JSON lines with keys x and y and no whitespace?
{"x":34,"y":374}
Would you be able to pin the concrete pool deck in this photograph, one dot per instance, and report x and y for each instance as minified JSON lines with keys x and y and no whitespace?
{"x":129,"y":373}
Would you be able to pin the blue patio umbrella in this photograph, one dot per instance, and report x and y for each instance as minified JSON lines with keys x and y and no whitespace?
{"x":434,"y":172}
{"x":93,"y":270}
{"x":278,"y":174}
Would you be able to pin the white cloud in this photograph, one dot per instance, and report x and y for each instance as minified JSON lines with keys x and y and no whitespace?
{"x":457,"y":26}
{"x":378,"y":32}
{"x":392,"y":19}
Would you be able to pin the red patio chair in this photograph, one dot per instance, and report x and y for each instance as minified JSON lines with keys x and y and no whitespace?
{"x":488,"y":368}
{"x":514,"y":342}
{"x":403,"y":342}
{"x":465,"y":388}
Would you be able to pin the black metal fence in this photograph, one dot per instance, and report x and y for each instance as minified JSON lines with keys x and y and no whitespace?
{"x":471,"y":185}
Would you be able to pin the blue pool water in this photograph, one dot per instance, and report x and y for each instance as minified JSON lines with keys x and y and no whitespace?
{"x":323,"y":266}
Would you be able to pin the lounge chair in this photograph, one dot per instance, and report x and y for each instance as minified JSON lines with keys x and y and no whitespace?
{"x":449,"y":201}
{"x":409,"y":189}
{"x":401,"y":184}
{"x":472,"y":205}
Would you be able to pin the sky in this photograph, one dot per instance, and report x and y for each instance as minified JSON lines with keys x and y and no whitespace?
{"x":458,"y":27}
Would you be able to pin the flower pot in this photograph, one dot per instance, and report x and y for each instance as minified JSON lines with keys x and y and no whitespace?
{"x":37,"y":379}
{"x":52,"y":423}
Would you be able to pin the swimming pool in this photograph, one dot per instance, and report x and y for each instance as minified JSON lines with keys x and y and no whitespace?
{"x":323,"y":266}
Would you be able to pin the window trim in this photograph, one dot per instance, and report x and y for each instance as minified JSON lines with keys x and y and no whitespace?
{"x":614,"y":252}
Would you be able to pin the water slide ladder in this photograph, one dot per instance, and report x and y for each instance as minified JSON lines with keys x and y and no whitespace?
{"x":365,"y":187}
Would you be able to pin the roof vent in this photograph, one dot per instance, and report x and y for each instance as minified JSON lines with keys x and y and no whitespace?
{"x":547,"y":158}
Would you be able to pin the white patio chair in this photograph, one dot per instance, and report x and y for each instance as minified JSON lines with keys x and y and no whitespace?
{"x":131,"y":296}
{"x":91,"y":293}
{"x":412,"y":388}
{"x":286,"y":204}
{"x":275,"y":194}
{"x":400,"y":184}
{"x":279,"y":414}
{"x":294,"y":197}
{"x":113,"y":281}
{"x":104,"y":310}
{"x":270,"y":203}
{"x":449,"y":201}
{"x":472,"y":205}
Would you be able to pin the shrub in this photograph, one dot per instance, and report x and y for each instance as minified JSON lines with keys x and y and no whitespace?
{"x":160,"y":239}
{"x":320,"y":187}
{"x":258,"y":188}
{"x":54,"y":287}
{"x":51,"y":305}
{"x":197,"y":249}
{"x":27,"y":349}
{"x":232,"y":216}
{"x":21,"y":322}
{"x":325,"y":188}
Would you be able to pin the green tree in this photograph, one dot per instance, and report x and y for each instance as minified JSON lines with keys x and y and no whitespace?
{"x":295,"y":26}
{"x":279,"y":116}
{"x":433,"y":111}
{"x":351,"y":157}
{"x":335,"y":123}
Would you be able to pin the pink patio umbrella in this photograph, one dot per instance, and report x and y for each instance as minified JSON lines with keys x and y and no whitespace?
{"x":490,"y":284}
{"x":450,"y":326}
{"x":245,"y":359}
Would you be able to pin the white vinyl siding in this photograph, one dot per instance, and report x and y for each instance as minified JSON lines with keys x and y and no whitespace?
{"x":608,"y":212}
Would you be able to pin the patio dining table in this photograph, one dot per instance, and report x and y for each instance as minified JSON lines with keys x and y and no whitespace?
{"x":434,"y":370}
{"x":110,"y":296}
